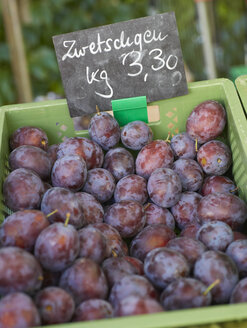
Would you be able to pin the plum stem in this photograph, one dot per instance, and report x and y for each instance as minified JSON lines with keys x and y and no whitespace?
{"x":196,"y":145}
{"x":67,"y":219}
{"x":53,"y":212}
{"x":168,"y":137}
{"x":147,"y":206}
{"x":97,"y":110}
{"x":216,"y":282}
{"x":43,"y":142}
{"x":114,"y":253}
{"x":41,"y":278}
{"x":233,"y":190}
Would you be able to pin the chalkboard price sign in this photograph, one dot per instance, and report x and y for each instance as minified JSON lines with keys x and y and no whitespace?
{"x":140,"y":57}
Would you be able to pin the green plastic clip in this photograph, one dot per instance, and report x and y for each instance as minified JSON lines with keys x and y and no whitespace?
{"x":130,"y":109}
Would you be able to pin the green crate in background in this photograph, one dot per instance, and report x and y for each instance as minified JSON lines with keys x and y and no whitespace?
{"x":236,"y":71}
{"x":241,"y":85}
{"x":53,"y":117}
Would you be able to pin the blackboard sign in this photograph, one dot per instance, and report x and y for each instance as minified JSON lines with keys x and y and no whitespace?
{"x":140,"y":57}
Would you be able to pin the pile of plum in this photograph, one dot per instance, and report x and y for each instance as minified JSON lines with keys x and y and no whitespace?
{"x":121,"y":224}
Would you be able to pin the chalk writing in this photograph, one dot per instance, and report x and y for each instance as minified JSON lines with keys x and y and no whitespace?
{"x":94,"y":48}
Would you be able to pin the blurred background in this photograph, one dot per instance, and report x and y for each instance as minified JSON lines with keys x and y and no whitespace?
{"x":213,"y":37}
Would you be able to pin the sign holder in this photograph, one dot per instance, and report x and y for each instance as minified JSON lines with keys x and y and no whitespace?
{"x":130,"y":109}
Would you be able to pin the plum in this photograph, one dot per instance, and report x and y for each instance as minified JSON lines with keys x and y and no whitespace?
{"x":131,"y":187}
{"x":58,"y":203}
{"x":218,"y":183}
{"x":93,"y":309}
{"x":163,"y":265}
{"x":69,"y":172}
{"x":52,"y":153}
{"x":120,"y":162}
{"x":57,"y":246}
{"x":55,"y":305}
{"x":185,"y":211}
{"x":136,"y":135}
{"x":128,"y":217}
{"x":138,"y":264}
{"x":158,"y":215}
{"x":100,"y":183}
{"x":164,"y":187}
{"x":239,"y":293}
{"x":215,"y":235}
{"x":151,"y":237}
{"x":33,"y":158}
{"x":131,"y":285}
{"x":223,"y":207}
{"x":206,"y":121}
{"x":185,"y":293}
{"x":22,"y":228}
{"x":113,"y":239}
{"x":84,"y":280}
{"x":214,"y":157}
{"x":134,"y":305}
{"x":191,"y":249}
{"x":190,"y":230}
{"x":19,"y":271}
{"x":115,"y":268}
{"x":183,"y":146}
{"x":104,"y":130}
{"x":237,"y":251}
{"x":23,"y":189}
{"x":215,"y":266}
{"x":156,"y":154}
{"x":190,"y":173}
{"x":28,"y":135}
{"x":93,"y":244}
{"x":89,"y":150}
{"x":17,"y":310}
{"x":93,"y":211}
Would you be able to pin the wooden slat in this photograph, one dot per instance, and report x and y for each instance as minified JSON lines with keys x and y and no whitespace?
{"x":24,"y":11}
{"x":17,"y":53}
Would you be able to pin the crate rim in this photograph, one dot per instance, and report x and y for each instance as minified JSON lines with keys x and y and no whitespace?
{"x":170,"y":319}
{"x":47,"y":103}
{"x":241,"y":85}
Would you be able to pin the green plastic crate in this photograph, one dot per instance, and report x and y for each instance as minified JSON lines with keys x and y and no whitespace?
{"x":53,"y":116}
{"x":236,"y":71}
{"x":241,"y":85}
